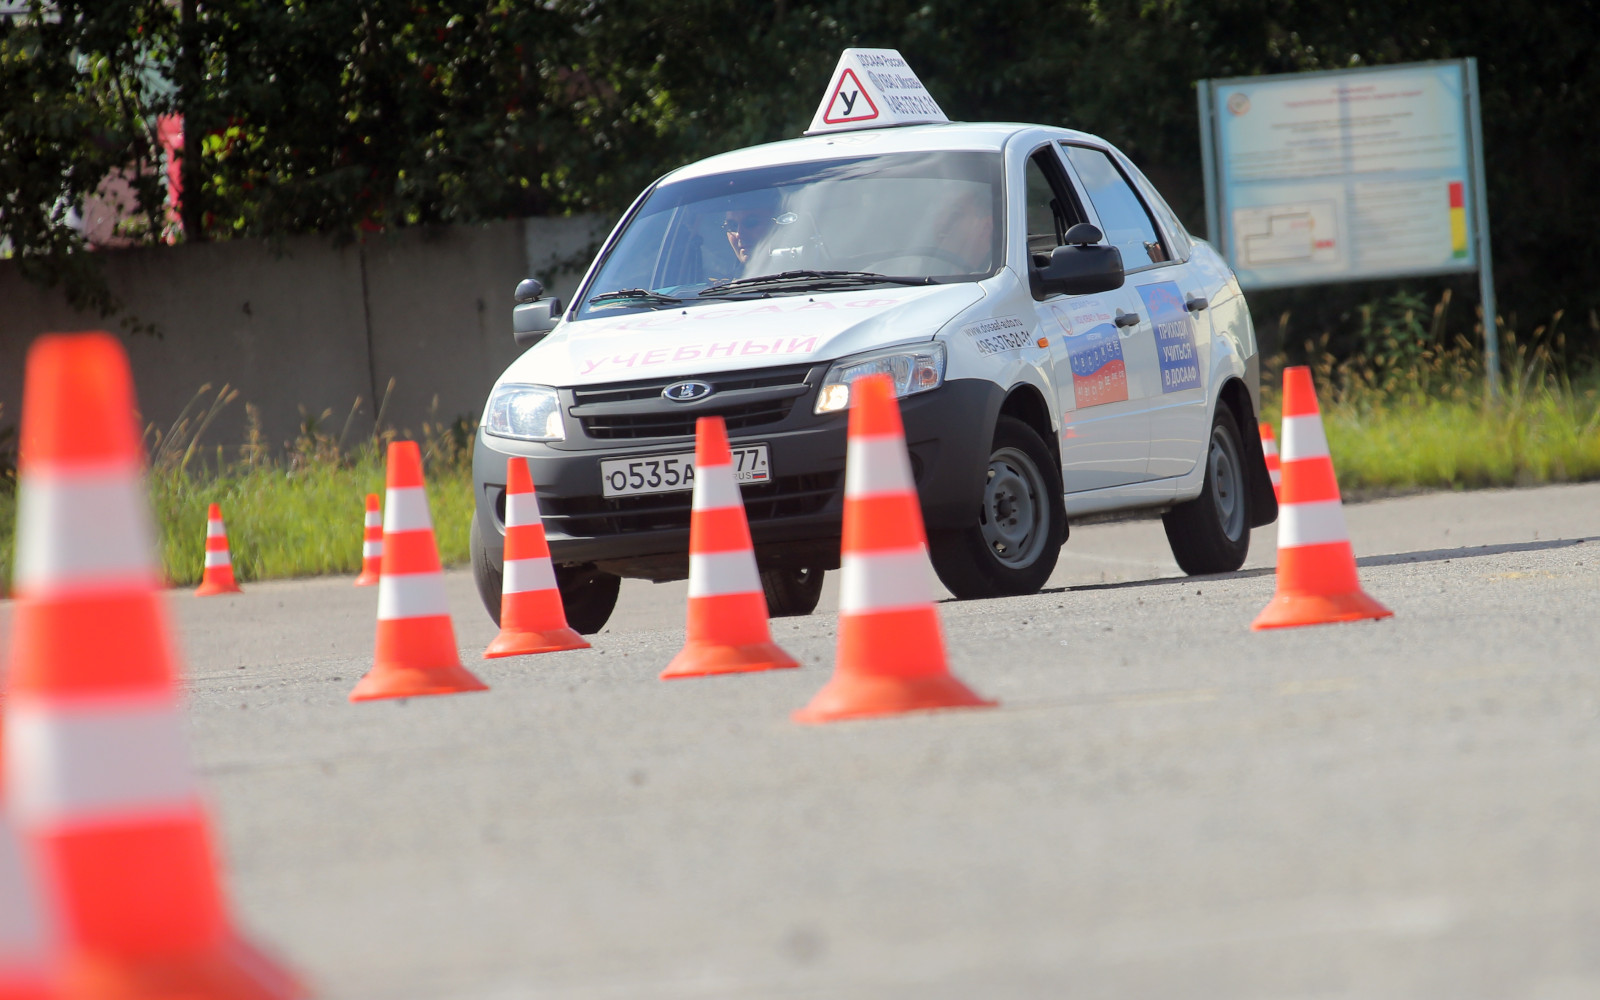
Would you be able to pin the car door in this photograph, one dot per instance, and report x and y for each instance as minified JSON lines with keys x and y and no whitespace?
{"x":1105,"y":435}
{"x":1171,"y":348}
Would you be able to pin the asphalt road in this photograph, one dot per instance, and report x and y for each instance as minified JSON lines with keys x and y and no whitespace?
{"x":1164,"y":805}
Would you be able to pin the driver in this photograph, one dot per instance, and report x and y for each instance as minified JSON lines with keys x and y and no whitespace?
{"x":749,"y":219}
{"x":968,"y":229}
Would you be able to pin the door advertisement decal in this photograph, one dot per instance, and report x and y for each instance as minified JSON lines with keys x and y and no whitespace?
{"x":1175,"y":347}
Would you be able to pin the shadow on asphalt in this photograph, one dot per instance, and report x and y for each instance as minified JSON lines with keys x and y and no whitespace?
{"x":1394,"y":559}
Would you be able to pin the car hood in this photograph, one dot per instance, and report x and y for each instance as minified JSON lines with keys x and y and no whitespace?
{"x":732,"y":336}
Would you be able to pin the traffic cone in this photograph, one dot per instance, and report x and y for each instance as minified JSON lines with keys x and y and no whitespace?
{"x":532,"y":619}
{"x":1316,"y":566}
{"x":218,"y":576}
{"x":416,"y":645}
{"x":99,"y":779}
{"x":1269,"y":449}
{"x":891,"y":655}
{"x":727,"y":629}
{"x":371,"y":544}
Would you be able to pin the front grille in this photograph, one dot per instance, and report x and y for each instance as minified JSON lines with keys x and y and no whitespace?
{"x":588,"y":517}
{"x":653,"y":420}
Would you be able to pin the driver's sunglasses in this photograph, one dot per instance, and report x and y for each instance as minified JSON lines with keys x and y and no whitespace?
{"x":748,"y":223}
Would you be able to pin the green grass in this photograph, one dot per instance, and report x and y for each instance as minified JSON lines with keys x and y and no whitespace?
{"x":1412,"y":418}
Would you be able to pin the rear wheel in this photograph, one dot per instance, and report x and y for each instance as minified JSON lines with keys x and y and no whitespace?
{"x":1211,"y":533}
{"x":1013,"y":545}
{"x":791,"y":591}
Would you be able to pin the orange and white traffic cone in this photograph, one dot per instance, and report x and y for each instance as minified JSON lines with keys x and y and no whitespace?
{"x":1269,"y":449}
{"x":98,"y":773}
{"x":891,"y":656}
{"x":371,"y":544}
{"x":416,"y":646}
{"x":1317,"y":580}
{"x":728,"y":631}
{"x":532,"y":619}
{"x":218,"y":575}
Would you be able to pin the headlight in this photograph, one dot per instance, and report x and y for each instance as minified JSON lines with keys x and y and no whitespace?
{"x":913,"y":370}
{"x":524,"y":412}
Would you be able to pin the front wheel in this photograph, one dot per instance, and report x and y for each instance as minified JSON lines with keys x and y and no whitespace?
{"x":587,"y":595}
{"x":1211,"y":533}
{"x":791,"y":592}
{"x":1013,"y":545}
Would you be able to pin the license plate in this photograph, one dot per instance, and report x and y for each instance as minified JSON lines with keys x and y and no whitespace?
{"x":626,"y":477}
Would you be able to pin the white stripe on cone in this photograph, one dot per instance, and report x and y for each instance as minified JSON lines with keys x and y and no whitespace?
{"x":877,"y":465}
{"x":411,"y":595}
{"x":1303,"y":438}
{"x":83,"y":528}
{"x":714,"y":488}
{"x":1276,"y":475}
{"x":214,"y":529}
{"x":1311,"y":524}
{"x":891,"y":580}
{"x":523,"y":575}
{"x":23,"y":941}
{"x":522,"y":509}
{"x":374,"y":519}
{"x":371,"y":550}
{"x":218,"y":559}
{"x":406,"y":509}
{"x":714,"y":574}
{"x":1269,"y":447}
{"x":73,"y":762}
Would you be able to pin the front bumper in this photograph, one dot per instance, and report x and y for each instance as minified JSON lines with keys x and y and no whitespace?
{"x":794,"y":519}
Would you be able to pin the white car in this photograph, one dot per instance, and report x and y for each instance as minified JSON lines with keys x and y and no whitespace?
{"x":1060,"y":344}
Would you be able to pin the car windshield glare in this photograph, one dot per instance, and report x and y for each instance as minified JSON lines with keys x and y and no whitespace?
{"x":929,"y":215}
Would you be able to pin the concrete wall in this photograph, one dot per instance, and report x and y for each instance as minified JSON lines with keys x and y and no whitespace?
{"x":313,"y":326}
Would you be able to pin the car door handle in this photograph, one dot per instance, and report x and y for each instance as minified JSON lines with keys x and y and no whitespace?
{"x":1127,"y":319}
{"x":1196,"y":303}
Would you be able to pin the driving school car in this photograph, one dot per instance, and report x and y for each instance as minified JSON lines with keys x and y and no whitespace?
{"x":1059,"y":343}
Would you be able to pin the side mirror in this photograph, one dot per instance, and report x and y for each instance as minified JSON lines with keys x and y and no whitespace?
{"x":532,"y":321}
{"x":1083,"y":234}
{"x":1078,"y":270}
{"x":528,"y":290}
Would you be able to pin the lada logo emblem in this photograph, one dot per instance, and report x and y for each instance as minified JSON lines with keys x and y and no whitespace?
{"x":686,"y":392}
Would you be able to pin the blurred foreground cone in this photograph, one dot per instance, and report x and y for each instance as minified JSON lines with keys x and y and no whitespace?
{"x":1269,"y":449}
{"x":532,"y":619}
{"x":416,"y":646}
{"x":371,"y":544}
{"x":218,"y":577}
{"x":25,"y":952}
{"x":1316,"y":566}
{"x":891,"y":653}
{"x":727,"y":631}
{"x":98,"y":774}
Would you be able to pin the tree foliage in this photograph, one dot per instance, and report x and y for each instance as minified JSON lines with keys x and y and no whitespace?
{"x":336,"y":116}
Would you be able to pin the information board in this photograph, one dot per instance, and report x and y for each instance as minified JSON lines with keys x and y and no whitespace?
{"x":1344,"y":175}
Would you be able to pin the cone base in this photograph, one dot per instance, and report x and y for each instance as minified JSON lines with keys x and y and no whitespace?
{"x":384,"y":681}
{"x":367,"y":580}
{"x":231,"y":970}
{"x":1292,"y":610}
{"x":702,"y":659}
{"x":214,"y":589}
{"x":855,"y":696}
{"x":521,"y":642}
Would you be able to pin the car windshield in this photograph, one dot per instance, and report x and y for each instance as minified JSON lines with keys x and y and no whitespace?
{"x":800,"y":227}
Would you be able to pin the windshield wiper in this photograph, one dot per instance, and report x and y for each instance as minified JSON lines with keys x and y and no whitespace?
{"x":636,"y":295}
{"x":806,"y":280}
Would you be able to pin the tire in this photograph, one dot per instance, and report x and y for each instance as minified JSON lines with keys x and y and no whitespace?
{"x":1211,"y":533}
{"x":791,"y":592}
{"x":1012,"y":546}
{"x":588,"y":595}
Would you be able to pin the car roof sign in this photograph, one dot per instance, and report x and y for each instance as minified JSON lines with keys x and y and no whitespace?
{"x":873,"y":88}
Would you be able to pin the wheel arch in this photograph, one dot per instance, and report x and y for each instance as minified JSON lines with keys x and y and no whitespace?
{"x":1026,"y":403}
{"x":1235,"y":395}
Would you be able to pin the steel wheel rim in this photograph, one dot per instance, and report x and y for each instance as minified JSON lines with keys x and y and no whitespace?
{"x":1015,"y":507}
{"x":1227,"y":486}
